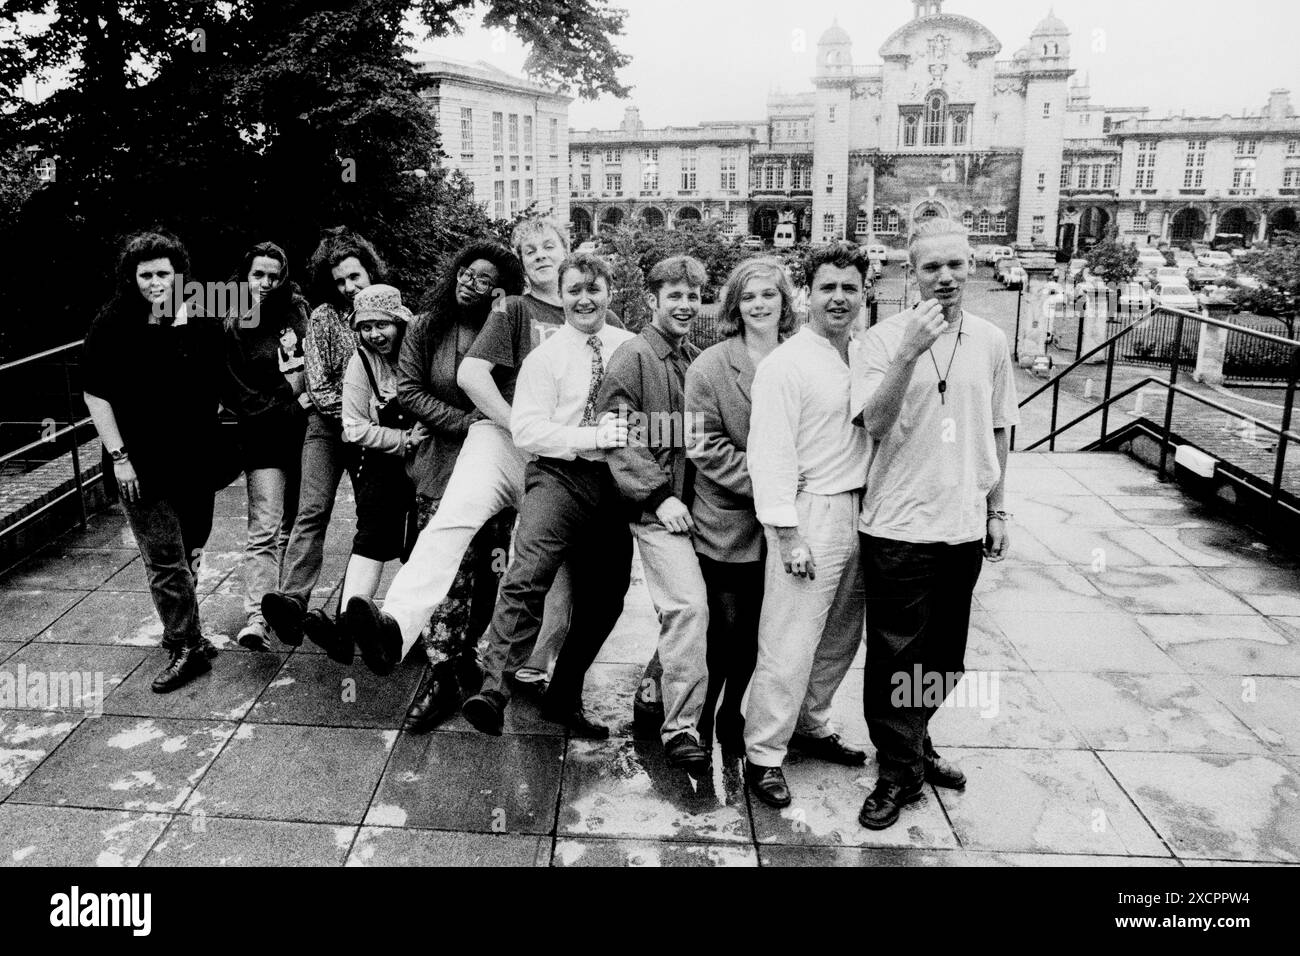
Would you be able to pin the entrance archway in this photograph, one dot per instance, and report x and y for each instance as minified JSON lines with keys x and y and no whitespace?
{"x":688,"y":214}
{"x":1188,"y":225}
{"x":1283,"y":220}
{"x":929,"y":210}
{"x":612,"y":218}
{"x":1240,"y":221}
{"x":581,"y":221}
{"x":653,"y":218}
{"x":1093,"y":223}
{"x":763,"y":222}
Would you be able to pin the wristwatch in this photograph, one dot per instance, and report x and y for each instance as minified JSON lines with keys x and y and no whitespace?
{"x":118,"y":454}
{"x":1004,"y":515}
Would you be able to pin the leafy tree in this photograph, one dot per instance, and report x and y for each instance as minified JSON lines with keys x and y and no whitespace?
{"x":1112,"y":261}
{"x":1277,"y":269}
{"x":233,"y":122}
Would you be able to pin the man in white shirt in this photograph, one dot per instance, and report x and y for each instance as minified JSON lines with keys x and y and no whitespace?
{"x":571,"y":510}
{"x":807,"y":461}
{"x":937,"y":399}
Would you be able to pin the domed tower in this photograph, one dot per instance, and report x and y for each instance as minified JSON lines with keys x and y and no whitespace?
{"x":834,"y":82}
{"x":1047,"y":76}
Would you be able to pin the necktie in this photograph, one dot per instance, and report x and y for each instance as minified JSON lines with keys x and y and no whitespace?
{"x":597,"y":373}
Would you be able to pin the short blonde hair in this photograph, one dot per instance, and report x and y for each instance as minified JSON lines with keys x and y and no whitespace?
{"x":933,"y":228}
{"x":535,"y":226}
{"x":729,"y":321}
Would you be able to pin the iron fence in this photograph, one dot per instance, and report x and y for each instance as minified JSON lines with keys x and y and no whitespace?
{"x":1248,"y":358}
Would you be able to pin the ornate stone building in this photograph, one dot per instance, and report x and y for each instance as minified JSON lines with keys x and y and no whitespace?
{"x":1013,"y":147}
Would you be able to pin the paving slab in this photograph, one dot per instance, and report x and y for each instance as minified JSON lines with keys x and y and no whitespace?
{"x":1220,"y":546}
{"x":1227,"y":644}
{"x":387,"y":846}
{"x":1096,"y":549}
{"x":108,"y":617}
{"x":312,"y":689}
{"x":823,"y":856}
{"x":626,"y":789}
{"x":1083,"y":642}
{"x":222,"y":841}
{"x":1166,"y":712}
{"x":607,"y":853}
{"x":1269,"y":706}
{"x":307,"y":774}
{"x":1053,"y":801}
{"x":471,"y":782}
{"x":33,"y":835}
{"x":1008,"y":587}
{"x":215,"y":567}
{"x":1166,"y":591}
{"x":1272,"y":591}
{"x":26,"y":612}
{"x":1216,"y":806}
{"x":71,"y":676}
{"x":126,"y":763}
{"x":227,"y":692}
{"x":1011,"y":709}
{"x":26,"y":738}
{"x":58,"y":567}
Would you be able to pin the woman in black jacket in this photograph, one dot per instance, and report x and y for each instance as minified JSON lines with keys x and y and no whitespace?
{"x":150,"y":368}
{"x":265,"y":388}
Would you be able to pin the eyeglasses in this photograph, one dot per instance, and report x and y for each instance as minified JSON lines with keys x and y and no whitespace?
{"x":480,"y":282}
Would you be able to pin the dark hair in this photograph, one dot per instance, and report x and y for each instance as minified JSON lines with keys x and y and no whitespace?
{"x":440,"y":303}
{"x":338,"y":245}
{"x":280,"y":299}
{"x":590,"y":265}
{"x":841,"y":255}
{"x":139,"y":247}
{"x":729,"y":321}
{"x":686,"y":269}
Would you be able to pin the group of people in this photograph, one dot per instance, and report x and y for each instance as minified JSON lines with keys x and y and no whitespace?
{"x":785,"y":487}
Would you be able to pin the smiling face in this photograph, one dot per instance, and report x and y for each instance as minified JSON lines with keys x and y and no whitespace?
{"x":154,"y":278}
{"x":943,"y":265}
{"x":350,"y":277}
{"x":380,"y":334}
{"x":542,"y":254}
{"x":263,"y":276}
{"x":760,"y":306}
{"x":675,"y":307}
{"x":585,"y":298}
{"x":834,"y":299}
{"x":475,"y":282}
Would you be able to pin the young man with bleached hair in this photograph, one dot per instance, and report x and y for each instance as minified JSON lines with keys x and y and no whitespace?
{"x":808,"y":462}
{"x":937,"y":398}
{"x":571,"y":511}
{"x":645,"y":384}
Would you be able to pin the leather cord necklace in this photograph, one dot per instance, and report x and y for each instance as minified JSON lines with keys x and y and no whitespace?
{"x":943,"y":379}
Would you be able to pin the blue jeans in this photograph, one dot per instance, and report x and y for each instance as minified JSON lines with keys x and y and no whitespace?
{"x":325,"y":456}
{"x":272,"y":503}
{"x":170,"y":533}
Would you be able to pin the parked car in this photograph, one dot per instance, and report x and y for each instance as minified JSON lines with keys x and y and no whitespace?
{"x":1217,"y":259}
{"x":1173,"y":294}
{"x":1184,"y":260}
{"x":1148,"y":262}
{"x":1204,"y":275}
{"x":995,"y":254}
{"x":1010,"y":273}
{"x":1170,"y":273}
{"x":784,"y":237}
{"x":753,"y":242}
{"x":1238,"y":254}
{"x":1221,"y":295}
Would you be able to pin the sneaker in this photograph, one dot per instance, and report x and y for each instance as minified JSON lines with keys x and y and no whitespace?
{"x":186,"y":663}
{"x":254,"y":637}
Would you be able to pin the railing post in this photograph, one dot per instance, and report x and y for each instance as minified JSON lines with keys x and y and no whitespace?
{"x":1280,"y":464}
{"x":76,"y":450}
{"x":1056,"y":398}
{"x":1174,"y":363}
{"x":1105,"y":399}
{"x":1012,"y":445}
{"x":1015,"y":342}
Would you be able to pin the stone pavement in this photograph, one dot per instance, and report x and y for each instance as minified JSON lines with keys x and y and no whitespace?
{"x":1134,"y":698}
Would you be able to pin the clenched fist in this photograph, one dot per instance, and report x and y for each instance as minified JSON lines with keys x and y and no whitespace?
{"x":925,"y":323}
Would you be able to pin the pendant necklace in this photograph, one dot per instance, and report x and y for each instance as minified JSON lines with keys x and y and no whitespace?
{"x":943,"y":379}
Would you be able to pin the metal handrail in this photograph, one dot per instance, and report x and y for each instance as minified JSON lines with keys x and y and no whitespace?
{"x":40,"y":355}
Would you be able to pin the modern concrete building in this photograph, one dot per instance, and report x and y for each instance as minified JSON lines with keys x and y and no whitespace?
{"x":1013,"y":147}
{"x":508,"y":135}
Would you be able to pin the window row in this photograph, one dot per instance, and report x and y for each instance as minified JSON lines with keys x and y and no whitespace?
{"x":499,"y":123}
{"x":499,"y":208}
{"x":1088,"y":176}
{"x":983,"y":223}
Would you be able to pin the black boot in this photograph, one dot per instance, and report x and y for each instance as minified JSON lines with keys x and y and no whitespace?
{"x":438,"y":698}
{"x":186,"y":663}
{"x":284,"y":615}
{"x":469,"y":673}
{"x":322,"y":631}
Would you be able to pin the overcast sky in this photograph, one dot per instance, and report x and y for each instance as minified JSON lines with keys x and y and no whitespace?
{"x":696,"y":60}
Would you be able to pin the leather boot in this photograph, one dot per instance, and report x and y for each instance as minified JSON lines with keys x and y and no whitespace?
{"x":438,"y":698}
{"x":186,"y":663}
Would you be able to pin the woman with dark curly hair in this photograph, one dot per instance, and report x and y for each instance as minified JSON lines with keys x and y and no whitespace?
{"x":150,"y":368}
{"x":264,"y":388}
{"x":343,"y":264}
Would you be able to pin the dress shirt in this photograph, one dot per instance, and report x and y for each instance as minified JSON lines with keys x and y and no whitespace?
{"x":801,"y":426}
{"x":551,"y":394}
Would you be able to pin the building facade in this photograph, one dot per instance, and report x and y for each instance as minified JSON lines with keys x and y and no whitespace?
{"x":509,"y":136}
{"x":944,"y":126}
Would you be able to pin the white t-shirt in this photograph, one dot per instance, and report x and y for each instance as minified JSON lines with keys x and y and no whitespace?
{"x":930,"y":476}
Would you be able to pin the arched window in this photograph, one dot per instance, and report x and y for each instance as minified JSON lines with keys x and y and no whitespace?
{"x":960,"y":128}
{"x":984,"y":222}
{"x":1056,"y":49}
{"x":968,"y":219}
{"x":1000,"y":224}
{"x":878,"y":221}
{"x":936,"y":119}
{"x":1044,"y":49}
{"x":910,"y":122}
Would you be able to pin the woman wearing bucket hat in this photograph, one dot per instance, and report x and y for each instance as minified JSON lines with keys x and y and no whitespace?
{"x":387,"y":435}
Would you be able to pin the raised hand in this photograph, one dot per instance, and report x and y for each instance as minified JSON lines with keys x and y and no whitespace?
{"x":925,"y":323}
